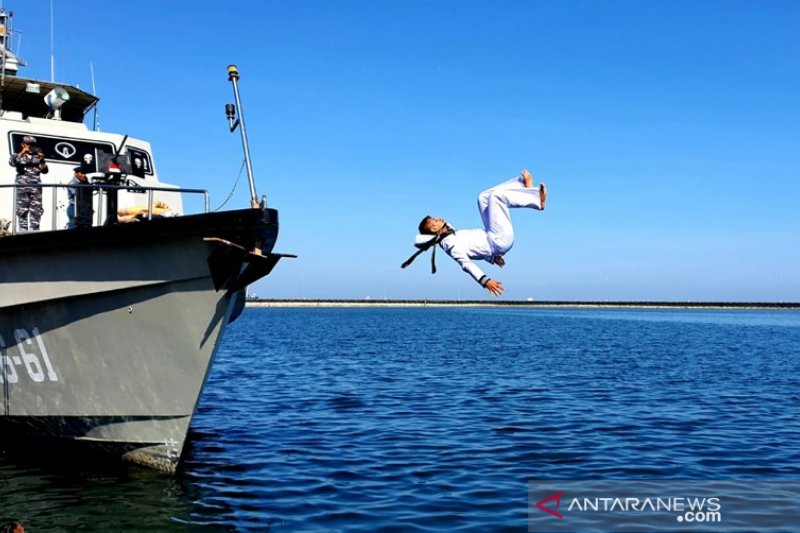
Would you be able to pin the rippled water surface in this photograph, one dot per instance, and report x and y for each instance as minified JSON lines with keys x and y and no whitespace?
{"x":321,"y":419}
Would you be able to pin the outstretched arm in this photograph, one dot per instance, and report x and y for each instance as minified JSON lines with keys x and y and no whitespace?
{"x":469,"y":266}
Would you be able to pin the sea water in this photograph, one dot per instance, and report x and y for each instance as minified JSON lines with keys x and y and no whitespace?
{"x":435,"y":419}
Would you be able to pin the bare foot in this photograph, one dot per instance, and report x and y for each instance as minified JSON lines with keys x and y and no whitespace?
{"x":527,"y":179}
{"x":542,"y":195}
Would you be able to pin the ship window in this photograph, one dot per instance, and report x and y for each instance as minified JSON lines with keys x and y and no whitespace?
{"x":141,"y":166}
{"x":91,"y":154}
{"x":63,"y":149}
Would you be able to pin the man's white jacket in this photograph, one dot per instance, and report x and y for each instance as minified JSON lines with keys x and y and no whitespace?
{"x":466,"y":246}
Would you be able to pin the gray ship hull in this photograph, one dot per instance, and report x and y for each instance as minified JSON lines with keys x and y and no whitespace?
{"x":107,"y":340}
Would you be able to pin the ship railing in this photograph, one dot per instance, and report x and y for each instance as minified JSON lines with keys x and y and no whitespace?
{"x":103,"y":190}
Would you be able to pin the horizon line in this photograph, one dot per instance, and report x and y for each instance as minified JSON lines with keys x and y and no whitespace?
{"x":424,"y":302}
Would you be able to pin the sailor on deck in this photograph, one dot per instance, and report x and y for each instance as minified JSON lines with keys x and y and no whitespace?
{"x":490,"y":243}
{"x":30,"y":164}
{"x":79,"y":209}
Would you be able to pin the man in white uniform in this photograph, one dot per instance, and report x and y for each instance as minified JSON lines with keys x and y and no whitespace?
{"x":497,"y":237}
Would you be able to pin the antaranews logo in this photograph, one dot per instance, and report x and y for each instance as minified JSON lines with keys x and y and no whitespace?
{"x":611,"y":504}
{"x":541,"y":504}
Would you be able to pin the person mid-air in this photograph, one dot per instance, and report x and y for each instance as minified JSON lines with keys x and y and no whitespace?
{"x":495,"y":239}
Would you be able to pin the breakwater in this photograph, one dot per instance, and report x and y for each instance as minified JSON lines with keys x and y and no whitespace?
{"x":520,"y":303}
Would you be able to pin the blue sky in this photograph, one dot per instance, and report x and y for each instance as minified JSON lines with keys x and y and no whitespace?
{"x":668,"y":133}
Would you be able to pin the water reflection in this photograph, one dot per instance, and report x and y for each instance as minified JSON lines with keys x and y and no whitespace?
{"x":49,"y":495}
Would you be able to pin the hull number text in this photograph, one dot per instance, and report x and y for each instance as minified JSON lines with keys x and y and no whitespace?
{"x":27,"y":357}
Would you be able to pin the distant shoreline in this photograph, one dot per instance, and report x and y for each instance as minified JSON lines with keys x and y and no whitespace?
{"x":523,"y":303}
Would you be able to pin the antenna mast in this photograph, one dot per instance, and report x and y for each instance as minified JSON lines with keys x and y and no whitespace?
{"x":6,"y":33}
{"x":52,"y":47}
{"x":96,"y":125}
{"x":230,"y":111}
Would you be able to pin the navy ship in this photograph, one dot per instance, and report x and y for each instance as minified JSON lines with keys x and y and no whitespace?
{"x":108,"y":330}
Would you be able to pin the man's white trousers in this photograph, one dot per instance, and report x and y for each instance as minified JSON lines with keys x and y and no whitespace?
{"x":495,"y":205}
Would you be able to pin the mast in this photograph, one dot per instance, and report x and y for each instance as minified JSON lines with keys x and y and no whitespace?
{"x":96,"y":126}
{"x":3,"y":49}
{"x":52,"y":47}
{"x":233,"y":77}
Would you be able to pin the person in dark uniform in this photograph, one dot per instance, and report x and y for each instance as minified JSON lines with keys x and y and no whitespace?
{"x":30,"y":163}
{"x":79,"y":209}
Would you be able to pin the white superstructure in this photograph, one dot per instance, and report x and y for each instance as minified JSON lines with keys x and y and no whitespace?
{"x":54,"y":114}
